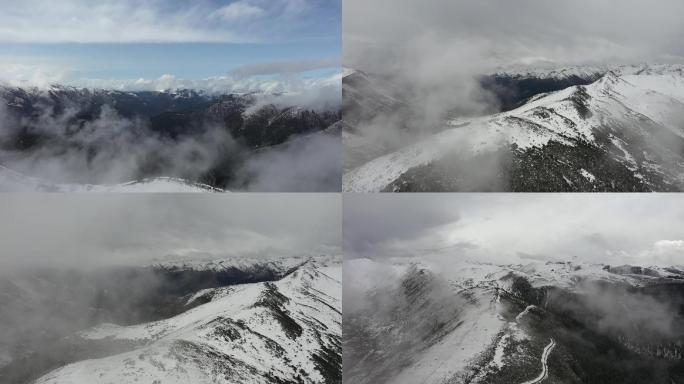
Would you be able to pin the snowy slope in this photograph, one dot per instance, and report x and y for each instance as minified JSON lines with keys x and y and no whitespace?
{"x":12,"y":181}
{"x":481,"y":327}
{"x":285,"y":331}
{"x":416,"y":330}
{"x":631,"y":114}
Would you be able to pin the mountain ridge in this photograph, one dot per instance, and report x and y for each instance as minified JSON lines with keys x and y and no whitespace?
{"x":292,"y":321}
{"x":603,"y":326}
{"x":619,"y":133}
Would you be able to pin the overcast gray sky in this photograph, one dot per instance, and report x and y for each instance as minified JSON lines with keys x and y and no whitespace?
{"x":84,"y":229}
{"x":488,"y":33}
{"x":646,"y":229}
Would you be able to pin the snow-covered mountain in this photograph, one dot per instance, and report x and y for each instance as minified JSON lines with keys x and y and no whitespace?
{"x":12,"y":181}
{"x":283,"y":331}
{"x":239,"y":321}
{"x":279,"y":265}
{"x":471,"y":322}
{"x":556,"y":73}
{"x":622,"y":132}
{"x":586,"y":72}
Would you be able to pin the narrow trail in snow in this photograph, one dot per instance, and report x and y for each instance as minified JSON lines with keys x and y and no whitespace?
{"x":545,"y":368}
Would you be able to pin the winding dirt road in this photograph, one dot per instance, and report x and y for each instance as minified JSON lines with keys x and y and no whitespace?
{"x":545,"y":368}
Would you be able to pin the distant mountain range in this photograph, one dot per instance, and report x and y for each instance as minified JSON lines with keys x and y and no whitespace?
{"x":172,"y":113}
{"x":576,"y":129}
{"x":156,"y":134}
{"x":559,"y":322}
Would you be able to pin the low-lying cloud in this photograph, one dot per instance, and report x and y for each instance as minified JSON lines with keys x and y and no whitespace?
{"x":284,"y":67}
{"x":307,"y":163}
{"x":17,"y":75}
{"x":434,"y":52}
{"x":110,"y":149}
{"x":74,"y":231}
{"x":631,"y":313}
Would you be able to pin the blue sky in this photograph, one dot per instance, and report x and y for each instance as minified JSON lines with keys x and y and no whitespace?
{"x":72,"y":40}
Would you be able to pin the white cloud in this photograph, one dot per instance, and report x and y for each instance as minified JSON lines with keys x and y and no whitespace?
{"x":314,"y":92}
{"x":669,"y":245}
{"x":509,"y":228}
{"x":103,"y":21}
{"x":317,"y":92}
{"x":238,"y":10}
{"x":664,"y":252}
{"x":284,"y":67}
{"x":295,"y":7}
{"x":120,"y":21}
{"x":137,"y":229}
{"x":16,"y":74}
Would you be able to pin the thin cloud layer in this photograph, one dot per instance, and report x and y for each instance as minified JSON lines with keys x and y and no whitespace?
{"x":284,"y":67}
{"x":117,"y":21}
{"x":71,"y":230}
{"x":512,"y":228}
{"x":238,"y":10}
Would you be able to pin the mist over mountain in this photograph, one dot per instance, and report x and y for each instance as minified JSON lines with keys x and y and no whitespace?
{"x":234,"y":313}
{"x":180,"y":288}
{"x":209,"y":96}
{"x":513,"y":288}
{"x":567,"y":129}
{"x":470,"y":98}
{"x":71,"y":136}
{"x":472,"y":322}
